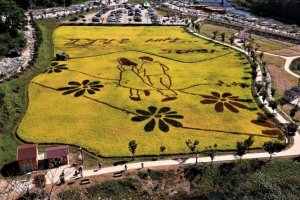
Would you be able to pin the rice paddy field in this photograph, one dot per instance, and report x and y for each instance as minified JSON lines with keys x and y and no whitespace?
{"x":157,"y":85}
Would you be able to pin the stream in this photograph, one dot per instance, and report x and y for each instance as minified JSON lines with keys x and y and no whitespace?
{"x":227,"y":5}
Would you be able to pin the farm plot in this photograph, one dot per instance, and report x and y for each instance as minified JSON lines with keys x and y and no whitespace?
{"x":157,"y":85}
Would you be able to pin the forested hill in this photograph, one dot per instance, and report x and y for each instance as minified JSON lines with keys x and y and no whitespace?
{"x":25,"y":4}
{"x":289,"y":9}
{"x":12,"y":24}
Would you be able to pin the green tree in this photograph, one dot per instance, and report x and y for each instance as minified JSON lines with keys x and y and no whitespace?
{"x":291,"y":129}
{"x":293,"y":111}
{"x":273,"y":105}
{"x":214,"y":34}
{"x":272,"y":147}
{"x":12,"y":17}
{"x":193,"y":146}
{"x":223,"y":37}
{"x":263,"y":95}
{"x":273,"y":91}
{"x":12,"y":25}
{"x":254,"y":74}
{"x":240,"y":149}
{"x":162,"y":149}
{"x":211,"y":151}
{"x":132,"y":147}
{"x":261,"y":55}
{"x":254,"y":66}
{"x":231,"y":39}
{"x":258,"y":87}
{"x":2,"y":95}
{"x":249,"y":142}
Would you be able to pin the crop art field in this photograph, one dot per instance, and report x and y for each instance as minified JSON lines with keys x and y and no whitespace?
{"x":157,"y":85}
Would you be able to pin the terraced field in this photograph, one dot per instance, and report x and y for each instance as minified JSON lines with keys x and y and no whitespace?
{"x":157,"y":85}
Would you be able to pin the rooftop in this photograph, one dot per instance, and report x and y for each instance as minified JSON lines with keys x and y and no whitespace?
{"x":27,"y":151}
{"x":58,"y":151}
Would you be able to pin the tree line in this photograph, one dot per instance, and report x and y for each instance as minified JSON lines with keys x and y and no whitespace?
{"x":27,"y":4}
{"x":242,"y":147}
{"x":12,"y":25}
{"x":37,"y":4}
{"x":288,"y":9}
{"x":13,"y":20}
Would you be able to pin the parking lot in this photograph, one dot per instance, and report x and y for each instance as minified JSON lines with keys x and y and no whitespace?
{"x":127,"y":14}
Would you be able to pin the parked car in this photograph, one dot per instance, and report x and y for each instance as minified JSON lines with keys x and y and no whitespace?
{"x":137,"y":19}
{"x":74,"y":19}
{"x":95,"y":19}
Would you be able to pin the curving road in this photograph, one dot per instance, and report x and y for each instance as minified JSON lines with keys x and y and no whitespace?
{"x":288,"y":62}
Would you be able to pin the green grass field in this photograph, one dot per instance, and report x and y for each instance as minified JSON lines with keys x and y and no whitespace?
{"x":138,"y":84}
{"x":15,"y":99}
{"x":262,"y":43}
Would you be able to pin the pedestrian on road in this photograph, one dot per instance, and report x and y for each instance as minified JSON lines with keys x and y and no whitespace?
{"x":100,"y":165}
{"x":142,"y":164}
{"x":125,"y":167}
{"x":80,"y":170}
{"x":62,"y":177}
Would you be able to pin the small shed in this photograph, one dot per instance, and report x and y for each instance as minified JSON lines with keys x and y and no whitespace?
{"x":27,"y":157}
{"x":57,"y":156}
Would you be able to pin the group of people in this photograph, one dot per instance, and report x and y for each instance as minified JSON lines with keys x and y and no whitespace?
{"x":79,"y":172}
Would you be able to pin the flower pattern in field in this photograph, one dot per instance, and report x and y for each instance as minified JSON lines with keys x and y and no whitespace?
{"x":226,"y":99}
{"x":56,"y":68}
{"x":80,"y":88}
{"x":163,"y":116}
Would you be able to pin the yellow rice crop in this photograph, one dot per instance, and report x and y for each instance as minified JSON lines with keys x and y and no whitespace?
{"x":102,"y":122}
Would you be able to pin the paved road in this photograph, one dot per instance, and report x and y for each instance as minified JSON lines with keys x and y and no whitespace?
{"x":288,"y":62}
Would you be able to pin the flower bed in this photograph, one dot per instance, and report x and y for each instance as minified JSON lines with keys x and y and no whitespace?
{"x":118,"y":87}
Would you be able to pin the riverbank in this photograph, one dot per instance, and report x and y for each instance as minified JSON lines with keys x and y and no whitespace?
{"x":285,"y":11}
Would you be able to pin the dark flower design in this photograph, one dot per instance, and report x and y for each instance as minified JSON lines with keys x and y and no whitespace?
{"x":226,"y":99}
{"x":164,"y":116}
{"x":55,"y":67}
{"x":80,"y":88}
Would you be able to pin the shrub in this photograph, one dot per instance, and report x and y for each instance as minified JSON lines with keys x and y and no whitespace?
{"x":114,"y":189}
{"x":70,"y":194}
{"x":142,"y":174}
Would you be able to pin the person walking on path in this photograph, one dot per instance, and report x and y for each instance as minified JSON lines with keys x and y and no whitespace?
{"x":142,"y":165}
{"x":100,"y":165}
{"x":80,"y":170}
{"x":125,"y":167}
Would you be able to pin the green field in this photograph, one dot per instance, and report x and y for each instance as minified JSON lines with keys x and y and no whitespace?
{"x":124,"y":83}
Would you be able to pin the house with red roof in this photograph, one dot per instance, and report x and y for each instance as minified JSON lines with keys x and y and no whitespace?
{"x":57,"y":156}
{"x":27,"y":157}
